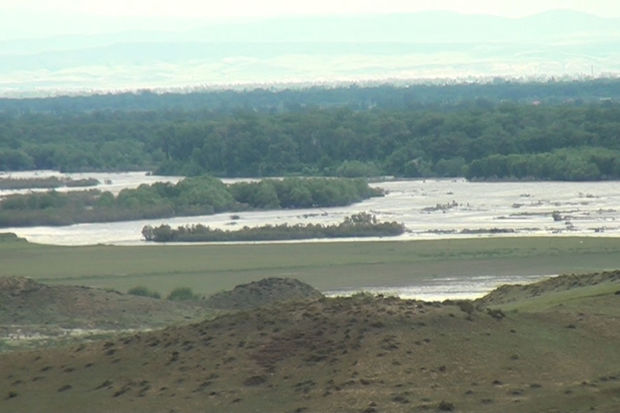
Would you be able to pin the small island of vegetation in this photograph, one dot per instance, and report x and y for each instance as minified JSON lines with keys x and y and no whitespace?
{"x":192,"y":196}
{"x":362,"y":224}
{"x":46,"y":182}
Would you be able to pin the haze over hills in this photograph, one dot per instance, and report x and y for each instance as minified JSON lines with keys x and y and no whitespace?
{"x":320,"y":49}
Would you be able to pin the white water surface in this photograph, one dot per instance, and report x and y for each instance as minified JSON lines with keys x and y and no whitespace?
{"x":113,"y":182}
{"x":462,"y":287}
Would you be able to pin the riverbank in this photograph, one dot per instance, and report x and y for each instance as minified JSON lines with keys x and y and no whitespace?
{"x":208,"y":269}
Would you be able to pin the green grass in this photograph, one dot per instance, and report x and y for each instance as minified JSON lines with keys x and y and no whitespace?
{"x":576,"y":299}
{"x":207,"y":269}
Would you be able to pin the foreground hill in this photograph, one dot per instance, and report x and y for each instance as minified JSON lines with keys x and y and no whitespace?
{"x":556,"y":291}
{"x":35,"y":312}
{"x":358,"y":354}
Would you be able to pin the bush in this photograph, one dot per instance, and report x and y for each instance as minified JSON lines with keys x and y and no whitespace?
{"x":466,"y":306}
{"x":143,"y":292}
{"x":445,"y":406}
{"x":182,"y":294}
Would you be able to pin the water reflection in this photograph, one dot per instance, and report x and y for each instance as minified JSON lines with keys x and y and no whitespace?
{"x":444,"y":288}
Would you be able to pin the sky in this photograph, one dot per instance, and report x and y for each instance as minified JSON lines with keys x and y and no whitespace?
{"x":35,"y":34}
{"x":22,"y":19}
{"x":270,"y":8}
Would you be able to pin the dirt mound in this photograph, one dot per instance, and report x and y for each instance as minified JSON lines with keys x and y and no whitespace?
{"x":264,"y":292}
{"x":509,"y":293}
{"x":19,"y":285}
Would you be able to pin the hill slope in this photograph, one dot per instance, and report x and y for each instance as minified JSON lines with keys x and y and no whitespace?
{"x":561,"y":292}
{"x":359,"y":354}
{"x":33,"y":311}
{"x":263,"y":292}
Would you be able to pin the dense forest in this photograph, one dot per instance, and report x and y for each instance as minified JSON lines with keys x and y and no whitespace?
{"x":477,"y":138}
{"x":354,"y":96}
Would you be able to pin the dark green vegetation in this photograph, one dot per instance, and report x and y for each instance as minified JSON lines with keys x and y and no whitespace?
{"x":208,"y":269}
{"x":458,"y":134}
{"x":358,"y":225}
{"x":354,"y":96}
{"x":191,"y":196}
{"x":182,"y":294}
{"x":143,"y":291}
{"x":50,"y":182}
{"x":358,"y":354}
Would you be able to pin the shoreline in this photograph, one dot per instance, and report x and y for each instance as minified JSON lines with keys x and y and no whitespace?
{"x":208,"y":269}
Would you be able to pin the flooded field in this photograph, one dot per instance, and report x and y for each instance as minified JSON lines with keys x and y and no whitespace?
{"x":430,"y":209}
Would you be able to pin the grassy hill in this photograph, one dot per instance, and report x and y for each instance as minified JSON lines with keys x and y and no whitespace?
{"x":37,"y":315}
{"x":357,"y":354}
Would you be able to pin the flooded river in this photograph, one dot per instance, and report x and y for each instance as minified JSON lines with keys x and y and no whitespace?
{"x":430,"y":209}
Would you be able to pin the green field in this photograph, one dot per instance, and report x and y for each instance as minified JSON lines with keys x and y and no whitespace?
{"x":211,"y":268}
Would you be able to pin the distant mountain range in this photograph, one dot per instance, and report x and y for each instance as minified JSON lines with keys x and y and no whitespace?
{"x":427,"y":45}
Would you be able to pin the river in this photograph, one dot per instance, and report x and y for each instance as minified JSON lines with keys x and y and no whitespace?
{"x":430,"y":209}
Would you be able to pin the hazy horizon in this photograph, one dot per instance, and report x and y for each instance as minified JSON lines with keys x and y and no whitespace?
{"x":78,"y":47}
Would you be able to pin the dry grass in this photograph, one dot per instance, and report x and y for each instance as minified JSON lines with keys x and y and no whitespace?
{"x":359,"y":354}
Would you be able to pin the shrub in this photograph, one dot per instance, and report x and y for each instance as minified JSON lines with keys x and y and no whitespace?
{"x":182,"y":294}
{"x":445,"y":406}
{"x":143,"y":292}
{"x":466,"y":306}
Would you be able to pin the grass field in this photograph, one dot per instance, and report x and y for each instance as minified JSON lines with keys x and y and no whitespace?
{"x":211,"y":268}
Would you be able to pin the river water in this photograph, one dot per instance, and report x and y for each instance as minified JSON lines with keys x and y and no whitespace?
{"x":430,"y":209}
{"x":463,"y":287}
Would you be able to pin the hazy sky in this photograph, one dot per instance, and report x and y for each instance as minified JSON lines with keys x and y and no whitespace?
{"x":261,"y":8}
{"x":21,"y":19}
{"x":57,"y":44}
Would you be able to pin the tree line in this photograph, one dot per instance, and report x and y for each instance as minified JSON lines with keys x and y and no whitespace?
{"x":477,"y":139}
{"x":405,"y":95}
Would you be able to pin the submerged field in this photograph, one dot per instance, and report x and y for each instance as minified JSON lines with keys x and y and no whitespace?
{"x":208,"y":269}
